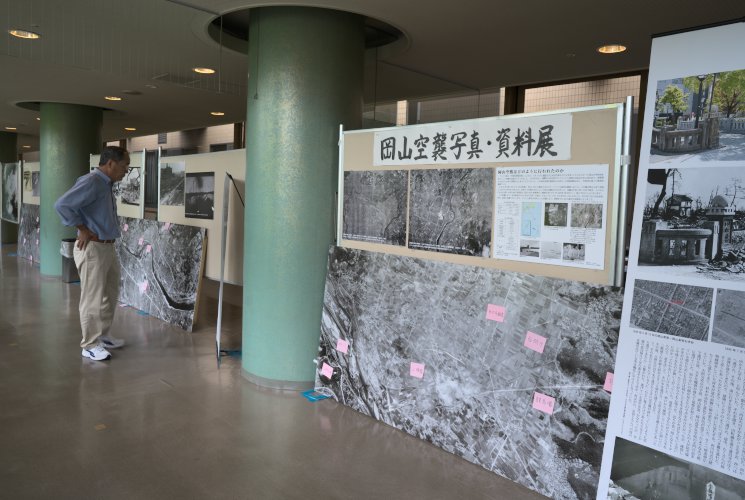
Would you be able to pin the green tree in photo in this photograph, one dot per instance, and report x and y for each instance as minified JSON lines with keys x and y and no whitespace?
{"x":676,"y":98}
{"x":729,"y":92}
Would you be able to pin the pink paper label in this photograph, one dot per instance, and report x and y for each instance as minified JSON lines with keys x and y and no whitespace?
{"x":143,"y":287}
{"x":327,"y":371}
{"x":608,"y":382}
{"x":495,"y":313}
{"x":167,"y":226}
{"x":126,"y":227}
{"x":148,"y":248}
{"x":416,"y":370}
{"x":342,"y":346}
{"x":142,"y":240}
{"x":535,"y":342}
{"x":543,"y":403}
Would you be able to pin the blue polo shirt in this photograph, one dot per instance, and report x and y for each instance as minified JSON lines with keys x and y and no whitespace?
{"x":91,"y":202}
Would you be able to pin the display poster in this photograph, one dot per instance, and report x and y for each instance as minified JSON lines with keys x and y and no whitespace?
{"x":486,"y":140}
{"x":552,"y":215}
{"x":11,"y":192}
{"x":677,"y":418}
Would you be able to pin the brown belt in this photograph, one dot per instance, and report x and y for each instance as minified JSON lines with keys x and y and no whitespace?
{"x":102,"y":241}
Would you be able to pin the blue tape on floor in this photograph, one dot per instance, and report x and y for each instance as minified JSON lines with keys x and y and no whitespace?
{"x":313,"y":396}
{"x":142,"y":313}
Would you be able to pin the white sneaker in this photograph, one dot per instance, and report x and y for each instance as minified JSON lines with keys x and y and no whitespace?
{"x":111,"y":342}
{"x":96,"y":353}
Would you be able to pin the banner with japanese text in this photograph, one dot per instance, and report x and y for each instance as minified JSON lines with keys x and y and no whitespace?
{"x":485,"y":140}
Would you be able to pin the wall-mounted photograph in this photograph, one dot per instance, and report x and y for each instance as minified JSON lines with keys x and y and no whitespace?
{"x":699,"y":118}
{"x":639,"y":472}
{"x":172,"y":184}
{"x":129,"y":187}
{"x":673,"y":309}
{"x":375,"y":206}
{"x":694,"y":223}
{"x":35,"y":184}
{"x":451,"y":210}
{"x":199,"y":195}
{"x":11,"y":196}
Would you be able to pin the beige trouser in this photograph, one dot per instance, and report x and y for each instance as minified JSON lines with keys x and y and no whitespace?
{"x":98,"y":267}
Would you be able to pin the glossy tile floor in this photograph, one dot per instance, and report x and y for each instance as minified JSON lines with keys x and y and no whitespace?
{"x":161,"y":421}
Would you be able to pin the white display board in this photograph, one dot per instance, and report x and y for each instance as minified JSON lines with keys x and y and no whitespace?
{"x":677,"y":421}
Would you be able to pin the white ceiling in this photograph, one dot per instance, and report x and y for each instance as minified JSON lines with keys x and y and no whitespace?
{"x":93,"y":48}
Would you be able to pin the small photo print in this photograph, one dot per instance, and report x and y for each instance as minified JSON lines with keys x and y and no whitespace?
{"x":587,"y":215}
{"x":555,"y":214}
{"x":698,"y":119}
{"x":35,"y":186}
{"x":729,"y":318}
{"x":573,"y":252}
{"x":129,"y":187}
{"x":200,"y":195}
{"x":530,"y":219}
{"x":529,"y":248}
{"x":639,"y":472}
{"x":672,"y":309}
{"x":551,"y":250}
{"x":27,"y":181}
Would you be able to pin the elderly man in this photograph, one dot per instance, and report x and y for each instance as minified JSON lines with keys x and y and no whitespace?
{"x":90,"y":206}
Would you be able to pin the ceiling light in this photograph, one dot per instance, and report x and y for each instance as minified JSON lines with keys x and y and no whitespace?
{"x":203,"y":71}
{"x":26,"y":35}
{"x":151,"y":86}
{"x":612,"y":49}
{"x":113,"y":98}
{"x":130,"y":129}
{"x":26,"y":147}
{"x":217,"y":113}
{"x":10,"y":128}
{"x":38,"y":119}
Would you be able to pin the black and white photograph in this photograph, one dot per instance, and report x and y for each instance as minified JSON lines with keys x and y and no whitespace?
{"x":694,"y":223}
{"x":35,"y":185}
{"x":587,"y":215}
{"x":160,"y":268}
{"x":699,"y":119}
{"x":573,"y":252}
{"x":555,"y":214}
{"x":28,"y":233}
{"x":475,"y":398}
{"x":172,"y":183}
{"x":673,"y":309}
{"x":199,"y":194}
{"x":529,"y":248}
{"x":11,"y":195}
{"x":27,"y":188}
{"x":551,"y":250}
{"x":129,"y":187}
{"x":642,"y":473}
{"x":451,"y":210}
{"x":729,"y":318}
{"x":375,"y":206}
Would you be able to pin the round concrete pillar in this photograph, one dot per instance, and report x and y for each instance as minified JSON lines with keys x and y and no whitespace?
{"x":305,"y":79}
{"x":69,"y":134}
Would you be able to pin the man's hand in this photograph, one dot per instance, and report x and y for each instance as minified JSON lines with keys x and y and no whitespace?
{"x":85,"y":235}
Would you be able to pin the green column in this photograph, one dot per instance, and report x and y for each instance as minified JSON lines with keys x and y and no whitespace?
{"x":8,"y":154}
{"x":305,"y":79}
{"x":69,"y":134}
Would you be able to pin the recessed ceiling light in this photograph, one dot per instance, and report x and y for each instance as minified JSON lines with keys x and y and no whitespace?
{"x":38,"y":119}
{"x":203,"y":71}
{"x":612,"y":49}
{"x":217,"y":113}
{"x":10,"y":128}
{"x":112,"y":98}
{"x":26,"y":147}
{"x":26,"y":35}
{"x":130,"y":129}
{"x":151,"y":86}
